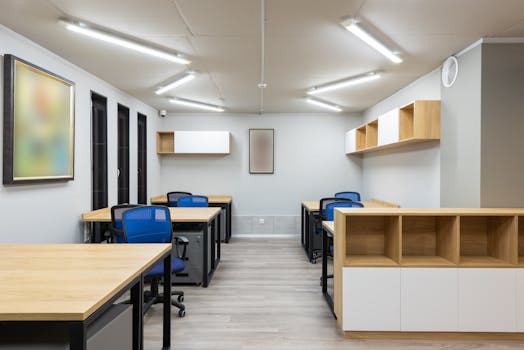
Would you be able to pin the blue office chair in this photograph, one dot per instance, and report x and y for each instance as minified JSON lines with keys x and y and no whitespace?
{"x":330,"y":208}
{"x":117,"y":228}
{"x":317,"y":253}
{"x":152,"y":224}
{"x":174,"y":196}
{"x":193,"y":201}
{"x":330,"y":216}
{"x":354,"y":196}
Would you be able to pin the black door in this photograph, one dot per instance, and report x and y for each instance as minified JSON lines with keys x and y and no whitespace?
{"x":123,"y":154}
{"x":99,"y":158}
{"x":142,"y":159}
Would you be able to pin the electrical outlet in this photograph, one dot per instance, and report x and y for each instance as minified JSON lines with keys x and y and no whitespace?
{"x":261,"y":221}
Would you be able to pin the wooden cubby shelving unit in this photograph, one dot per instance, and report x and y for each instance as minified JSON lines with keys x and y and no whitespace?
{"x":429,"y":273}
{"x":431,"y":237}
{"x":165,"y":142}
{"x":419,"y":121}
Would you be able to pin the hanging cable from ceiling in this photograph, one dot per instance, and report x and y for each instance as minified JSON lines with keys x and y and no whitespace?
{"x":262,"y":83}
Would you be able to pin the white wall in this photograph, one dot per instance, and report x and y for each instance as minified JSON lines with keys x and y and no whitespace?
{"x":408,"y":175}
{"x":51,"y":212}
{"x":309,"y":164}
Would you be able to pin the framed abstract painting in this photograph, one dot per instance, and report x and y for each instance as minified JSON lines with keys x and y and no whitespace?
{"x":39,"y":124}
{"x":261,"y":151}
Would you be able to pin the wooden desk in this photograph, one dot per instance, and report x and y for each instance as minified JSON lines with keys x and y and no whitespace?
{"x":207,"y":219}
{"x":222,"y":201}
{"x":74,"y":284}
{"x":309,"y":212}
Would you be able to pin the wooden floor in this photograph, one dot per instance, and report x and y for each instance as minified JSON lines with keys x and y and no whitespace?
{"x":265,"y":295}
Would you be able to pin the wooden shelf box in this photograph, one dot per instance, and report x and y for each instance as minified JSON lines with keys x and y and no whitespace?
{"x":520,"y":224}
{"x":372,"y":134}
{"x":165,"y":142}
{"x":420,"y":120}
{"x":373,"y":240}
{"x":488,"y":240}
{"x":430,"y":240}
{"x":361,"y":138}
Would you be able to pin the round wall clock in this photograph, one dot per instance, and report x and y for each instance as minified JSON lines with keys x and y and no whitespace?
{"x":449,"y":71}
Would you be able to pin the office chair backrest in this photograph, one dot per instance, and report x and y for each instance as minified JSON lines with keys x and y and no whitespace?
{"x":116,"y":219}
{"x":147,"y":224}
{"x":193,"y":201}
{"x":174,"y":196}
{"x":330,"y":208}
{"x":354,"y":196}
{"x":325,"y":201}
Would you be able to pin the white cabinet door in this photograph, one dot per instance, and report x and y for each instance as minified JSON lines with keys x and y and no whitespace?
{"x":388,"y":127}
{"x":520,"y":299}
{"x":487,"y":300}
{"x":201,"y":142}
{"x":371,"y":299}
{"x":351,"y":141}
{"x":429,"y":299}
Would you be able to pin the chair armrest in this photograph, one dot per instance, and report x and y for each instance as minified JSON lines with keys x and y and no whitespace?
{"x":114,"y":233}
{"x":181,"y":241}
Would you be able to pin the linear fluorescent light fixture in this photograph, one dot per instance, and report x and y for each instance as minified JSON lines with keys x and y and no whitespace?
{"x":353,"y":26}
{"x":195,"y":104}
{"x":344,"y":83}
{"x":323,"y":104}
{"x":181,"y":80}
{"x":115,"y":40}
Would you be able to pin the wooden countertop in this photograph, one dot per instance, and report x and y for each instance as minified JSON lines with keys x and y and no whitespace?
{"x":329,"y":226}
{"x":67,"y":282}
{"x":374,"y":203}
{"x":177,"y":214}
{"x":433,"y":211}
{"x":214,"y":199}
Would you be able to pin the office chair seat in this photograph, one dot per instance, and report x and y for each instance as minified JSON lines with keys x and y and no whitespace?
{"x":177,"y":265}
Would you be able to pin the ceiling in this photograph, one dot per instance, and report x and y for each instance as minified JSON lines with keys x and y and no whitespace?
{"x":305,"y":45}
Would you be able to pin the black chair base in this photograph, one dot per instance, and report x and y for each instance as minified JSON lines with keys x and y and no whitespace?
{"x":152,"y":297}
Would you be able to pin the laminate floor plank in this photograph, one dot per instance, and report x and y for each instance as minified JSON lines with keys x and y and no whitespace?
{"x":266,"y":295}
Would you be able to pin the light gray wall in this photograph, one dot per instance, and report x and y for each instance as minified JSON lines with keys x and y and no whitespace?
{"x":502,"y":180}
{"x":50,"y":213}
{"x":309,"y":164}
{"x":408,"y":175}
{"x":460,"y":135}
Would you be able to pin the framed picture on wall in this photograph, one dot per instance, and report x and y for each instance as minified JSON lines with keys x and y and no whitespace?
{"x":39,"y":124}
{"x":261,"y":151}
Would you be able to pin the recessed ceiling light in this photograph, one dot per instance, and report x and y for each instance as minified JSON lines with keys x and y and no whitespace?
{"x":179,"y":81}
{"x":195,"y":104}
{"x":119,"y":41}
{"x":323,"y":104}
{"x":353,"y":26}
{"x":344,"y":83}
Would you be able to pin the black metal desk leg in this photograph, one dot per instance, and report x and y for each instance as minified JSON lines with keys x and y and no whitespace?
{"x":213,"y":246}
{"x":137,"y":300}
{"x":302,"y":226}
{"x":205,"y":235}
{"x":228,"y":222}
{"x":325,"y":248}
{"x":167,"y":304}
{"x":311,"y":236}
{"x":78,"y":336}
{"x":218,"y":236}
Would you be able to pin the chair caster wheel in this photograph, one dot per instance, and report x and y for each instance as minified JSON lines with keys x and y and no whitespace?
{"x":181,"y":313}
{"x":314,"y":261}
{"x":180,"y":298}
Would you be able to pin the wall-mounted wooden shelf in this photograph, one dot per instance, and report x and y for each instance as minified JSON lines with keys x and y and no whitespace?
{"x":193,"y":142}
{"x":165,"y":142}
{"x":416,"y":122}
